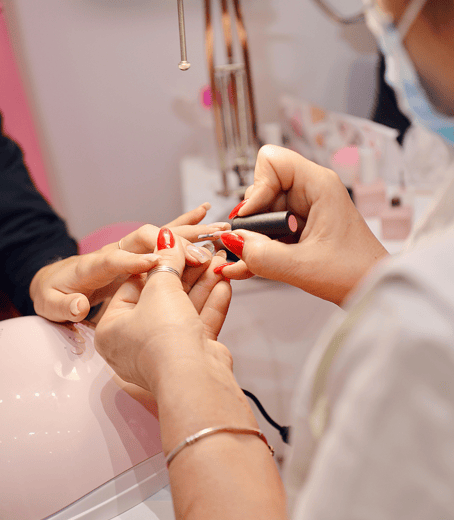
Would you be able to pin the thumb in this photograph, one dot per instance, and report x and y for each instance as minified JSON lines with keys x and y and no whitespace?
{"x":60,"y":307}
{"x":264,"y":257}
{"x":267,"y":181}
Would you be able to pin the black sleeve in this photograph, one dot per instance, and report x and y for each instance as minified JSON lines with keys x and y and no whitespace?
{"x":32,"y":235}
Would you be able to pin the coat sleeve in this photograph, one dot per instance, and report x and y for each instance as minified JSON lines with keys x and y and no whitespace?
{"x":386,"y":451}
{"x":32,"y":235}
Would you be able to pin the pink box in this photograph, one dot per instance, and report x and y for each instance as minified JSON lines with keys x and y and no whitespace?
{"x":396,"y":222}
{"x":370,"y":199}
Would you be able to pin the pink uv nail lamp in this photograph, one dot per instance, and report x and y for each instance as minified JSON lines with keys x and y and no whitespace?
{"x":75,"y":440}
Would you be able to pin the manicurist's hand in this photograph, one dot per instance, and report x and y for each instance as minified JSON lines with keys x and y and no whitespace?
{"x":161,"y":334}
{"x":66,"y":290}
{"x":336,"y":247}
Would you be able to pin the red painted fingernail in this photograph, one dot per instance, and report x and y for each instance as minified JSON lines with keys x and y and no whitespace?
{"x":219,"y":268}
{"x":233,"y":242}
{"x":166,"y":239}
{"x":235,"y":210}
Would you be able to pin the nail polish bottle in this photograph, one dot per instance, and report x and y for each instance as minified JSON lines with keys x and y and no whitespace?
{"x":396,"y":220}
{"x":369,"y":193}
{"x":345,"y":162}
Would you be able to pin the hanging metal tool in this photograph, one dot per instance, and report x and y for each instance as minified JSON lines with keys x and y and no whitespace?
{"x":183,"y":65}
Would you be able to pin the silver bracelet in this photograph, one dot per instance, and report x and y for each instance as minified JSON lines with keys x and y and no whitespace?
{"x":211,"y":431}
{"x":163,"y":269}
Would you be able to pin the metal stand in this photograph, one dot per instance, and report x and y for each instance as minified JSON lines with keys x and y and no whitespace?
{"x":232,"y":100}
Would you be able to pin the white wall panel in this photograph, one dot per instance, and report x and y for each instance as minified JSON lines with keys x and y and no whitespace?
{"x":104,"y":82}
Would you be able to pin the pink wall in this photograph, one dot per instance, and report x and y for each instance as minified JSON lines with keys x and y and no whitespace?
{"x":17,"y":120}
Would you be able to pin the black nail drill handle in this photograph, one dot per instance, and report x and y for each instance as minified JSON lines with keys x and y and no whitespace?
{"x":278,"y":224}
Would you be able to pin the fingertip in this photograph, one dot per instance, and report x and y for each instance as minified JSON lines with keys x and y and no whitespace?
{"x":206,"y":205}
{"x":174,"y":256}
{"x":237,"y":209}
{"x":220,"y":268}
{"x":248,"y":192}
{"x":165,"y":240}
{"x":199,"y":255}
{"x":243,"y":210}
{"x":79,"y":307}
{"x":234,"y":242}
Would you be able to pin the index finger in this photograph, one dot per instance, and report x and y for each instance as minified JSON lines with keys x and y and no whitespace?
{"x":143,"y":240}
{"x":237,"y":271}
{"x":191,"y":233}
{"x":191,"y":217}
{"x":278,"y":171}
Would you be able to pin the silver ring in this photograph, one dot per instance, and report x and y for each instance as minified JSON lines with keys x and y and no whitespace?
{"x":163,"y":269}
{"x":119,"y":244}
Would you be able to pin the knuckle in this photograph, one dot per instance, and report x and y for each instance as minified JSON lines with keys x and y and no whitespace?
{"x":106,"y":266}
{"x":330,"y":176}
{"x":256,"y":254}
{"x":146,"y":234}
{"x":225,"y":355}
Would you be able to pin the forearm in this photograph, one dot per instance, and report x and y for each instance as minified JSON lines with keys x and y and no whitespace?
{"x":231,"y":476}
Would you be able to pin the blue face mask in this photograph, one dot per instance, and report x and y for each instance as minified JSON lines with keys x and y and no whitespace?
{"x":400,"y":71}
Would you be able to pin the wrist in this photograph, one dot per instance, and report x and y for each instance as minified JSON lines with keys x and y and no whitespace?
{"x":186,"y":366}
{"x":198,"y":394}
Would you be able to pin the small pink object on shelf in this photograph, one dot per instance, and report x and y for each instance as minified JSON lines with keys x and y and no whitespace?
{"x":396,"y":221}
{"x":369,"y":194}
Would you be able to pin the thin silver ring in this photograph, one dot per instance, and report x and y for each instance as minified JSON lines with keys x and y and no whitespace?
{"x":164,"y":269}
{"x":119,"y":244}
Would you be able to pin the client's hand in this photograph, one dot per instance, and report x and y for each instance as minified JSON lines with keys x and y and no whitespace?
{"x":152,"y":326}
{"x":336,"y":248}
{"x":164,"y":340}
{"x":65,"y":290}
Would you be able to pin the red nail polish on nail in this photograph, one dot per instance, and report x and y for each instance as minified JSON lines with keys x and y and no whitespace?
{"x":166,"y":239}
{"x":235,"y":210}
{"x":219,"y":268}
{"x":233,"y":242}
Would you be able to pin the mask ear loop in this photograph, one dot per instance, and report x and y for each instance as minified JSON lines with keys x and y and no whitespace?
{"x":409,"y":17}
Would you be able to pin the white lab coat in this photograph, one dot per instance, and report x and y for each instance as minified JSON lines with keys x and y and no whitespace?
{"x":373,"y":428}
